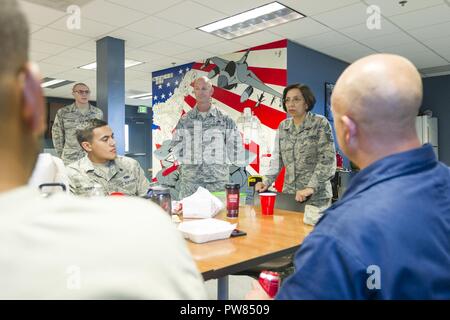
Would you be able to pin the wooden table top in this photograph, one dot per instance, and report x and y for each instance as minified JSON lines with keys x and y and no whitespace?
{"x":268,"y":237}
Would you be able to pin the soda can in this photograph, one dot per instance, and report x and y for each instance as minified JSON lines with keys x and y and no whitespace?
{"x":270,"y":281}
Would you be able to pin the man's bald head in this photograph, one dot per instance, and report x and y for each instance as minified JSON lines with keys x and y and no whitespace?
{"x":203,"y":80}
{"x":382,"y":93}
{"x":203,"y":91}
{"x":375,"y":103}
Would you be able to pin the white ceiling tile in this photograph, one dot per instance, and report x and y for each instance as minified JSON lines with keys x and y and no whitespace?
{"x":323,"y":40}
{"x":361,"y":31}
{"x":200,"y":15}
{"x":195,"y":39}
{"x":111,"y":14}
{"x":77,"y":75}
{"x":88,"y":28}
{"x":423,"y":18}
{"x":232,"y":7}
{"x":313,"y":7}
{"x":300,"y":28}
{"x":445,"y":54}
{"x":258,"y":38}
{"x":157,"y":28}
{"x":79,"y":54}
{"x":50,"y":69}
{"x":63,"y":61}
{"x":59,"y":37}
{"x":132,"y":38}
{"x":34,"y":27}
{"x":146,"y":6}
{"x":39,"y":14}
{"x":420,"y":55}
{"x":38,"y":56}
{"x":167,"y":48}
{"x":440,"y":45}
{"x":135,"y":75}
{"x":379,"y":43}
{"x":439,"y":30}
{"x":348,"y":52}
{"x":406,"y":48}
{"x":45,"y":47}
{"x":168,"y":62}
{"x":195,"y":55}
{"x":90,"y":45}
{"x":148,"y":67}
{"x":389,"y":7}
{"x":225,"y":47}
{"x":425,"y":59}
{"x":142,"y":55}
{"x":344,"y":17}
{"x":141,"y":85}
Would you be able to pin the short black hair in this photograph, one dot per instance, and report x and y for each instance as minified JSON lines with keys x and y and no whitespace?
{"x":14,"y":34}
{"x":86,"y":133}
{"x":307,"y":94}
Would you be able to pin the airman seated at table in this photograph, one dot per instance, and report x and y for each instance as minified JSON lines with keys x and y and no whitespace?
{"x":102,"y":168}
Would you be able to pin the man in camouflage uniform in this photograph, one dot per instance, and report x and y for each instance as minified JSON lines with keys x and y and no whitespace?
{"x":70,"y":118}
{"x":206,"y":142}
{"x":102,"y":170}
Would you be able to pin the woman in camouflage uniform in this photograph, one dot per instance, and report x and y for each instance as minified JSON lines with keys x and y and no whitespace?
{"x":304,"y":145}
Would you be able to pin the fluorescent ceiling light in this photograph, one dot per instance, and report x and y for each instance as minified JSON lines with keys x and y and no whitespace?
{"x":251,"y":21}
{"x":50,"y":82}
{"x":142,"y":96}
{"x":128,"y":63}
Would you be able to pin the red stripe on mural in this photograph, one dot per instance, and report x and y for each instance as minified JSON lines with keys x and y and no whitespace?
{"x":268,"y":116}
{"x":280,"y":180}
{"x":190,"y":101}
{"x":198,"y":66}
{"x":277,"y":77}
{"x":273,"y":76}
{"x":280,"y":44}
{"x":254,"y":148}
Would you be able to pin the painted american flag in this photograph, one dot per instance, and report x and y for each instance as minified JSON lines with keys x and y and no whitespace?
{"x":173,"y":96}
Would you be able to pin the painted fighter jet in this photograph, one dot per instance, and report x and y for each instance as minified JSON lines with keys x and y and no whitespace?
{"x":231,"y":73}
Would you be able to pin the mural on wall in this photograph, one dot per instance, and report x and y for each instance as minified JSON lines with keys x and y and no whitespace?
{"x":251,"y":79}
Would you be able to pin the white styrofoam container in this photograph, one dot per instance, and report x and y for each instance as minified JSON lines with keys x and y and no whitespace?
{"x":200,"y":231}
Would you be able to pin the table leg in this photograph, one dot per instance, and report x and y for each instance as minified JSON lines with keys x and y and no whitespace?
{"x":222,"y":288}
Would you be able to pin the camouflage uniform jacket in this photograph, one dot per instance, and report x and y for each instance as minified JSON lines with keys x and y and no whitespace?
{"x":205,"y":147}
{"x":124,"y":175}
{"x":309,"y":155}
{"x":68,"y":119}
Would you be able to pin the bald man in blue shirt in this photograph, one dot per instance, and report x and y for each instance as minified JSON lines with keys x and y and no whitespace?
{"x":389,"y":236}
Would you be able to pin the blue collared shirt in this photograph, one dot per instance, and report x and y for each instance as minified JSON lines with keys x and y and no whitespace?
{"x":387,"y":238}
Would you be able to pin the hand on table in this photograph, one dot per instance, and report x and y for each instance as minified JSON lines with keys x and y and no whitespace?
{"x":303,"y":194}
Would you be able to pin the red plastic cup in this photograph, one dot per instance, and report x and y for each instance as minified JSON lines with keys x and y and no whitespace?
{"x":267,"y":200}
{"x":117,"y":194}
{"x":270,"y":281}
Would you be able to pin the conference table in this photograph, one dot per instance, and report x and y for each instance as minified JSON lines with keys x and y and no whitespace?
{"x":268,"y":237}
